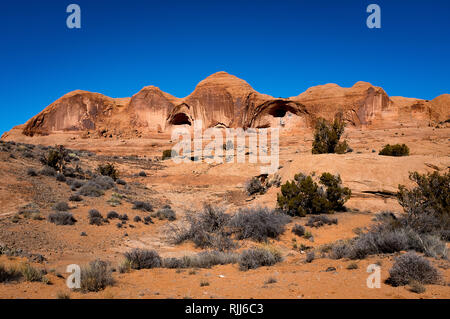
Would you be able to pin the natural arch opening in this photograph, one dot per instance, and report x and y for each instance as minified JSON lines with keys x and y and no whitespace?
{"x":180,"y":119}
{"x":280,"y":110}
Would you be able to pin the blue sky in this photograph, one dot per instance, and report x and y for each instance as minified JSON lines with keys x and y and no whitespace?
{"x":280,"y":47}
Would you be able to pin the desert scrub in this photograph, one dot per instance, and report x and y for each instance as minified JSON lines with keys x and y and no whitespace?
{"x":61,"y":218}
{"x":310,"y":256}
{"x":143,"y":258}
{"x":257,"y":257}
{"x":60,"y":177}
{"x":206,"y":229}
{"x":30,"y":273}
{"x":112,"y":215}
{"x":143,"y":206}
{"x":320,"y":220}
{"x":8,"y":274}
{"x":115,"y":200}
{"x":259,"y":224}
{"x":47,"y":171}
{"x":327,"y":136}
{"x":31,"y":172}
{"x":108,"y":169}
{"x":204,"y":259}
{"x":254,"y":186}
{"x":423,"y":227}
{"x":166,"y":212}
{"x":299,"y":230}
{"x":95,"y":217}
{"x":95,"y":186}
{"x":352,"y":266}
{"x":61,"y":207}
{"x":304,"y":196}
{"x":62,"y":295}
{"x":137,"y":219}
{"x":96,"y":276}
{"x":395,"y":150}
{"x":427,"y":206}
{"x":55,"y":158}
{"x":75,"y":198}
{"x":411,"y":267}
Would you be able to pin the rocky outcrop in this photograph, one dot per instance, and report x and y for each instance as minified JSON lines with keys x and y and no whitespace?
{"x":223,"y":100}
{"x":76,"y":111}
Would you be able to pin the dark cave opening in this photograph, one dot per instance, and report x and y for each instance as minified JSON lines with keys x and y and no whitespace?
{"x":280,"y":110}
{"x":180,"y":119}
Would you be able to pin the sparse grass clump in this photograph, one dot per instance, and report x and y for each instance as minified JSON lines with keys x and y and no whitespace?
{"x":62,"y":295}
{"x":310,"y":256}
{"x":412,"y":267}
{"x":143,"y":258}
{"x":258,"y":223}
{"x":304,"y":196}
{"x":395,"y":150}
{"x":112,"y":215}
{"x":352,"y":266}
{"x":121,"y":181}
{"x":75,"y":198}
{"x":30,"y":273}
{"x":95,"y":217}
{"x":108,"y":169}
{"x":31,"y":172}
{"x":144,"y":206}
{"x":320,"y":220}
{"x":96,"y":276}
{"x":95,"y":186}
{"x":137,"y":219}
{"x":61,"y":218}
{"x":327,"y":136}
{"x":60,"y":177}
{"x":257,"y":257}
{"x":61,"y":207}
{"x":416,"y":287}
{"x":204,"y":259}
{"x":115,"y":200}
{"x":148,"y":219}
{"x":254,"y":186}
{"x":206,"y":229}
{"x":299,"y":230}
{"x":47,"y":171}
{"x":8,"y":274}
{"x":166,"y":212}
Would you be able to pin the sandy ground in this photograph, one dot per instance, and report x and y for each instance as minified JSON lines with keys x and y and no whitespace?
{"x":372,"y":178}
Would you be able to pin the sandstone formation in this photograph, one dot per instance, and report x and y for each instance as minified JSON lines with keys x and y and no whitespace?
{"x":223,"y":100}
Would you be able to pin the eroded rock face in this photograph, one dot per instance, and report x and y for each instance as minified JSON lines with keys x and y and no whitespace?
{"x":223,"y":100}
{"x":75,"y":111}
{"x":359,"y":105}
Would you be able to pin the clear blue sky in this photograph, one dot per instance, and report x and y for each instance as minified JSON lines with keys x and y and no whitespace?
{"x":280,"y":47}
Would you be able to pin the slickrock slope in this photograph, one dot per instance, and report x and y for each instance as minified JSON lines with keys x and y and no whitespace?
{"x":360,"y":105}
{"x":223,"y":100}
{"x":77,"y":111}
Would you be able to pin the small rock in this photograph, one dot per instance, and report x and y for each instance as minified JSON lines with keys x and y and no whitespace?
{"x":330,"y":269}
